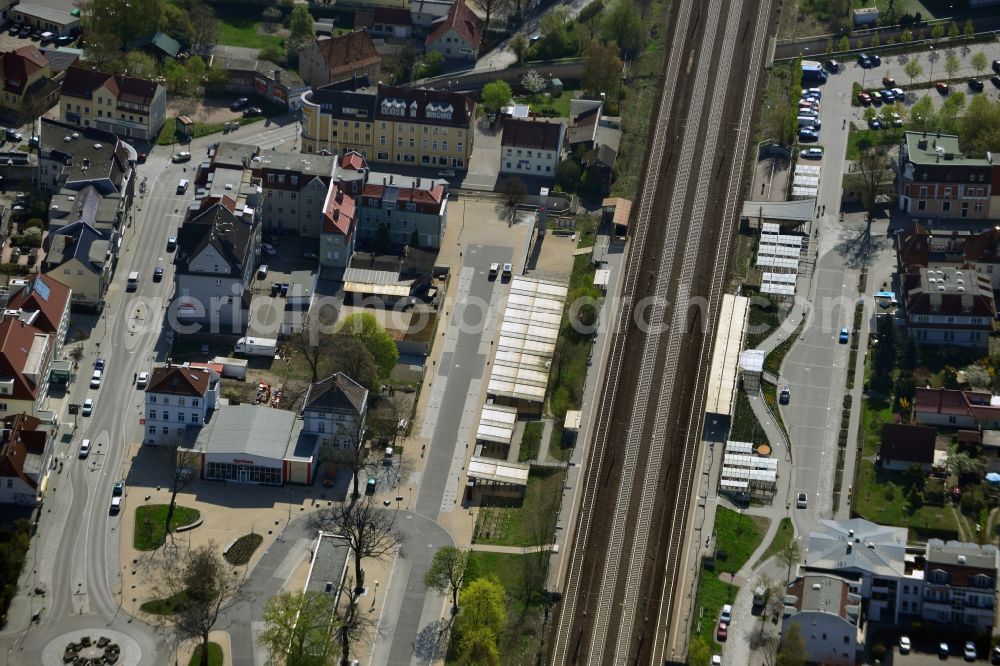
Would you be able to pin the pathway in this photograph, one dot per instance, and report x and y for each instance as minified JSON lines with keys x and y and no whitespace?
{"x":543,"y":450}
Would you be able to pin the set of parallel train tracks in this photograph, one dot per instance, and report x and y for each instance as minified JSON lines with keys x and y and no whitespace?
{"x":619,"y":600}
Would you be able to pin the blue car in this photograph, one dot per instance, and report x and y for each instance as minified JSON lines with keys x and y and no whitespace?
{"x":844,"y":336}
{"x":808,"y":135}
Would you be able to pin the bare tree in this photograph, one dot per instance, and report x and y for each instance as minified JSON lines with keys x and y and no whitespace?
{"x":201,"y":585}
{"x":875,"y":170}
{"x":767,"y":645}
{"x":513,"y":189}
{"x":769,"y":591}
{"x":186,"y":463}
{"x":350,"y":625}
{"x":789,"y":555}
{"x":204,"y":25}
{"x":370,"y":531}
{"x":491,"y":7}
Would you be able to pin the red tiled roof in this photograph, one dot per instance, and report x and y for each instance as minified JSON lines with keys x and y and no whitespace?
{"x":940,"y":401}
{"x":353,"y":160}
{"x":16,"y":339}
{"x":50,"y":305}
{"x":19,"y":66}
{"x":180,"y":380}
{"x":338,"y":212}
{"x":432,"y":196}
{"x":911,"y":443}
{"x":464,"y":21}
{"x":912,"y":246}
{"x":531,"y":134}
{"x":81,"y":82}
{"x":349,"y":52}
{"x":22,"y":435}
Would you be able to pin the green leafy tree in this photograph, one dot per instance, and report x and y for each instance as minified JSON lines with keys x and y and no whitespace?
{"x":364,"y":328}
{"x":568,"y":175}
{"x":923,"y":116}
{"x":301,"y":28}
{"x":952,"y":64}
{"x":937,"y":32}
{"x":876,"y":41}
{"x":844,"y":44}
{"x":141,"y":65}
{"x":979,"y":62}
{"x":204,"y":26}
{"x":915,"y":476}
{"x":111,"y":24}
{"x":216,"y":78}
{"x":960,"y":463}
{"x":447,"y":572}
{"x":298,"y":628}
{"x":519,"y":46}
{"x":431,"y":65}
{"x":951,"y":108}
{"x":913,"y":69}
{"x":793,"y":648}
{"x":869,"y":114}
{"x":496,"y":95}
{"x":484,"y":605}
{"x":196,"y":69}
{"x":590,"y":18}
{"x":953,"y":31}
{"x":177,"y":78}
{"x":906,"y":35}
{"x":980,"y":127}
{"x":479,"y":646}
{"x":622,"y":24}
{"x":969,"y":29}
{"x":604,"y":68}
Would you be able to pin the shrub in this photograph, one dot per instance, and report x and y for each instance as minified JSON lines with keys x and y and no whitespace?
{"x":243,"y":549}
{"x":34,"y":223}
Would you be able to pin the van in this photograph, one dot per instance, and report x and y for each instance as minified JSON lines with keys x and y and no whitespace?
{"x":95,"y":379}
{"x":494,"y":270}
{"x":133,"y":281}
{"x":807,"y":121}
{"x":182,"y":186}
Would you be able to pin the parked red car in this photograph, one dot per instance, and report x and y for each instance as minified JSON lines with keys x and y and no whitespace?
{"x":864,"y":98}
{"x":942,"y":87}
{"x":142,"y":158}
{"x":722,"y":632}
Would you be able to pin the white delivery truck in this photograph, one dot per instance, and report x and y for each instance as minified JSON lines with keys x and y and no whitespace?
{"x":257,"y":346}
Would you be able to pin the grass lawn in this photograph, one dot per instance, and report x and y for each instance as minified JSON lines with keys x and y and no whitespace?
{"x":772,"y":362}
{"x":168,"y":135}
{"x":530,"y":442}
{"x":150,"y":520}
{"x":559,"y":449}
{"x":532,"y":523}
{"x":214,"y":655}
{"x":785,"y":533}
{"x":746,"y":427}
{"x":764,"y":318}
{"x":713,"y":594}
{"x":236,"y":31}
{"x":542,"y":102}
{"x":857,"y":137}
{"x":738,"y":535}
{"x":167,"y":606}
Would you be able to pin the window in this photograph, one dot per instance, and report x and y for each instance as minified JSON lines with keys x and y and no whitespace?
{"x":965,"y":209}
{"x":321,"y":426}
{"x":152,"y":430}
{"x":946,"y":206}
{"x":923,"y":190}
{"x":180,"y":416}
{"x":921,"y":205}
{"x":152,"y":399}
{"x":194,"y":418}
{"x":152,"y":415}
{"x":166,"y":430}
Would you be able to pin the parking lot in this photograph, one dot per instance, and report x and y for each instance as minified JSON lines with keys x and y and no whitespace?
{"x":289,"y":280}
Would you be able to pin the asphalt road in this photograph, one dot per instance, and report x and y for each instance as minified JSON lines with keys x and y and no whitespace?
{"x":76,"y":551}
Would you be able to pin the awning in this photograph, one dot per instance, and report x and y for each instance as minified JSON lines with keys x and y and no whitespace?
{"x":400,"y":291}
{"x":490,"y":469}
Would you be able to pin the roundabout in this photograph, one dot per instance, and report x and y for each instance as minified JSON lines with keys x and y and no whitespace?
{"x":91,"y":648}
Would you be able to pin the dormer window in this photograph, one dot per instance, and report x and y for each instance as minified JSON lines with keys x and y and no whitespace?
{"x":939,"y":577}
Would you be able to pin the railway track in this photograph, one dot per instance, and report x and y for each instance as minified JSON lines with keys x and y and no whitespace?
{"x":624,"y":567}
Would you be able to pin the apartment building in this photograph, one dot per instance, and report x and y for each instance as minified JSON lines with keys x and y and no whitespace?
{"x":949,"y":306}
{"x":218,"y":248}
{"x":336,"y":408}
{"x":531,"y":147}
{"x":920,"y":246}
{"x":128,"y":107}
{"x":828,"y":615}
{"x":391,"y":125}
{"x":937,"y":181}
{"x":25,"y":459}
{"x":26,"y":82}
{"x":412,"y":210}
{"x":44,"y":303}
{"x":178,"y":399}
{"x":294,"y":188}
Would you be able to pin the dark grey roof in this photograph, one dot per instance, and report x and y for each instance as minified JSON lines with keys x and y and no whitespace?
{"x":974,"y":555}
{"x":234,"y":155}
{"x":91,"y":156}
{"x":329,"y":564}
{"x":77,"y":240}
{"x":345,"y":104}
{"x":218,"y":226}
{"x":337,"y":393}
{"x":301,"y":163}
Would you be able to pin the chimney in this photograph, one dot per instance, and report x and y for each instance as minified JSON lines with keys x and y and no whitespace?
{"x":391,"y":178}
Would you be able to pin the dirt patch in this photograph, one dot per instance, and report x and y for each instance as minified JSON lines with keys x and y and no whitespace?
{"x":207,"y":110}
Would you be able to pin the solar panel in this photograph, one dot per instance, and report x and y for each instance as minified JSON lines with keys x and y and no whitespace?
{"x":42,"y":289}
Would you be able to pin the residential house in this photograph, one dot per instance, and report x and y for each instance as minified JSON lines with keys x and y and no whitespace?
{"x":344,"y":57}
{"x":28,"y":88}
{"x":126,"y":106}
{"x":43,"y":302}
{"x":178,"y":399}
{"x":81,"y":257}
{"x":959,"y":586}
{"x":339,"y":228}
{"x":531,"y":147}
{"x":936,"y":180}
{"x":458,"y":36}
{"x":919,"y":246}
{"x":956,"y":409}
{"x":160,"y":45}
{"x":598,"y":136}
{"x":335,"y":408}
{"x":905,"y":445}
{"x":5,"y":9}
{"x":25,"y":459}
{"x":72,"y":158}
{"x":828,"y":615}
{"x":87,"y":205}
{"x":413,"y":210}
{"x":949,"y":306}
{"x":25,"y":356}
{"x":424,"y":13}
{"x":45,"y":18}
{"x":393,"y":23}
{"x":395,"y":125}
{"x":294,"y":189}
{"x":218,"y":248}
{"x":253,"y":76}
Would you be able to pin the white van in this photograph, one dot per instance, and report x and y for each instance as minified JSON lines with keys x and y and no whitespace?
{"x":133,"y":281}
{"x":182,"y":186}
{"x":95,"y":379}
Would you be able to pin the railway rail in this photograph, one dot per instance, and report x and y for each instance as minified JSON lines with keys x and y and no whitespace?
{"x":619,"y":601}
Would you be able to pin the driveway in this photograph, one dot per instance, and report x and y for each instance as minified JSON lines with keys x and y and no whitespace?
{"x":484,"y":165}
